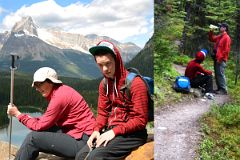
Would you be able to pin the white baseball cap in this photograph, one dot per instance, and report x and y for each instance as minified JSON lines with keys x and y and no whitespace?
{"x":45,"y":73}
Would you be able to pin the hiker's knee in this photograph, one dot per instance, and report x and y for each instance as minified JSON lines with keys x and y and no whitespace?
{"x":30,"y":136}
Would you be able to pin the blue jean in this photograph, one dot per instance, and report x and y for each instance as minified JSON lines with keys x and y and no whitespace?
{"x":219,"y":69}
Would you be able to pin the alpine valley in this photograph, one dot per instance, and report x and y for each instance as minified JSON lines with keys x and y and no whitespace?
{"x":66,"y":52}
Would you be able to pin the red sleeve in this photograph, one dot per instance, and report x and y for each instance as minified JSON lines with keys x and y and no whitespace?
{"x":103,"y":109}
{"x":212,"y":37}
{"x":48,"y":119}
{"x":139,"y":110}
{"x":204,"y":71}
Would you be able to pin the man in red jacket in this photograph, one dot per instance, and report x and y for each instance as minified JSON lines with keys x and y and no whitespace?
{"x":221,"y":49}
{"x":121,"y":122}
{"x":200,"y":77}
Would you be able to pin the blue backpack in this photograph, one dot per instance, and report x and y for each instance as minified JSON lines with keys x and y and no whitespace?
{"x":182,"y":84}
{"x":133,"y":72}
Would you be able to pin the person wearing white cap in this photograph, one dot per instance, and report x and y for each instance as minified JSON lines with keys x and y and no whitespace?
{"x":200,"y":77}
{"x":121,"y":122}
{"x":64,"y":127}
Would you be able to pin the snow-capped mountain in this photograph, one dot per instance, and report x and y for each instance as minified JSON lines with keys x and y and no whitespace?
{"x":25,"y":26}
{"x":66,"y":52}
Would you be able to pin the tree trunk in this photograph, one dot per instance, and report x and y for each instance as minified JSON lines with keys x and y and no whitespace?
{"x":186,"y":20}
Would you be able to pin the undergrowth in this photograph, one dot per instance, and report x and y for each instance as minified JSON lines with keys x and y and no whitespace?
{"x":221,"y":129}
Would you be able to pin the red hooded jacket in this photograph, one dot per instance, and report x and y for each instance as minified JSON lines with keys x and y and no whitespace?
{"x":222,"y":45}
{"x":194,"y":68}
{"x":124,"y":117}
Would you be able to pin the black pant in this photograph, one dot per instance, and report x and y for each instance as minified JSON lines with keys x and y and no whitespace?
{"x":203,"y":81}
{"x":117,"y":149}
{"x":56,"y":143}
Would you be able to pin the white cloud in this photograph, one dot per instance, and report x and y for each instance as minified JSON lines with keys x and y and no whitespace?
{"x":116,"y":19}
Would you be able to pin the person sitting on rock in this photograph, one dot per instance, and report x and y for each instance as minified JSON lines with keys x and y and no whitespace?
{"x":65,"y":126}
{"x":200,"y":77}
{"x":121,"y":123}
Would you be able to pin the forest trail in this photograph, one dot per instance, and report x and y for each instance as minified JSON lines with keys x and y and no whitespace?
{"x":177,"y":130}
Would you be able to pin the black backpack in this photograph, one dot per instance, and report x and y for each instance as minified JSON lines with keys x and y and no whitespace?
{"x":133,"y":72}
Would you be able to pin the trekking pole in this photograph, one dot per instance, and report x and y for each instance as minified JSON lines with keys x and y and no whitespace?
{"x":12,"y":67}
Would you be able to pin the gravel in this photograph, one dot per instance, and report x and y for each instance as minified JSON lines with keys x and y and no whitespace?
{"x":177,"y":131}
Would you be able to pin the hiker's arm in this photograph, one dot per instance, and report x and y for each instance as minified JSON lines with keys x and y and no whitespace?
{"x":212,"y":37}
{"x":139,"y":111}
{"x":103,"y":109}
{"x":55,"y":109}
{"x":204,"y":71}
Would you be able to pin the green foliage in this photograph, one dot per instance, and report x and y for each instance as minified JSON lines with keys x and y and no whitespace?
{"x":143,"y":59}
{"x":181,"y":60}
{"x":168,"y":30}
{"x":3,"y":116}
{"x":222,"y":133}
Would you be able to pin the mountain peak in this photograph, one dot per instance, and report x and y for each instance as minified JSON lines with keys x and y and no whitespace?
{"x":26,"y":26}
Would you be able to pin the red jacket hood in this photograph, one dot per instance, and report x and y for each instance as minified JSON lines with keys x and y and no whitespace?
{"x":120,"y":71}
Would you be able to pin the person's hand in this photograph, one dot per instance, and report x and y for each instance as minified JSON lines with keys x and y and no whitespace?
{"x":13,"y":110}
{"x":105,"y":138}
{"x":94,"y":136}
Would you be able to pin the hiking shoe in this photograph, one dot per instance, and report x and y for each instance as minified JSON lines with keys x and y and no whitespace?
{"x":215,"y":91}
{"x":222,"y":92}
{"x":209,"y":96}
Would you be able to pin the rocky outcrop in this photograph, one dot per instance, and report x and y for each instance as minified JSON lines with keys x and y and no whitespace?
{"x":145,"y":152}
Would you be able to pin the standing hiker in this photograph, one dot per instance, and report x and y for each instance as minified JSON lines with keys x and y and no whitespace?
{"x":200,"y":77}
{"x":221,"y":52}
{"x":65,"y":126}
{"x":121,"y":123}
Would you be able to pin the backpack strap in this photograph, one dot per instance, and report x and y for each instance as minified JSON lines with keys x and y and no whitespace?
{"x":133,"y":72}
{"x":128,"y":82}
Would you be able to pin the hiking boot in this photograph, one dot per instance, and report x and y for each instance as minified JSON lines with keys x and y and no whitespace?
{"x":221,"y":92}
{"x":215,"y":91}
{"x":209,"y":96}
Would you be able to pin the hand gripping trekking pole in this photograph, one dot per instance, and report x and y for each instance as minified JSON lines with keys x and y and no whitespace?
{"x":11,"y":100}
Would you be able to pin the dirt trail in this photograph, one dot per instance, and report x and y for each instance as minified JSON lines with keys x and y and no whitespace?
{"x":177,"y":131}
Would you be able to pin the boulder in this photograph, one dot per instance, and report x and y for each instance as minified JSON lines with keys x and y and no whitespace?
{"x":145,"y":152}
{"x":4,"y":151}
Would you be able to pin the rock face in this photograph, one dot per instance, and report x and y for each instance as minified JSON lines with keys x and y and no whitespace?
{"x":26,"y":26}
{"x":4,"y":151}
{"x":145,"y":152}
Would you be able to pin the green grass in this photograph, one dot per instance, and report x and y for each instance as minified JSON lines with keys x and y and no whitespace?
{"x":221,"y":129}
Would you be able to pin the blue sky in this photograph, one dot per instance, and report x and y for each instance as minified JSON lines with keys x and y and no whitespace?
{"x":124,"y":20}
